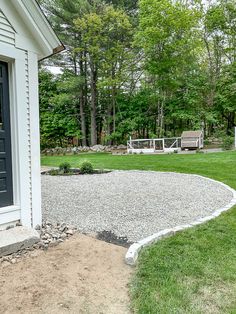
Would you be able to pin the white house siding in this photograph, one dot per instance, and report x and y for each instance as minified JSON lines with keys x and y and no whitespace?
{"x":7,"y":33}
{"x":25,"y":38}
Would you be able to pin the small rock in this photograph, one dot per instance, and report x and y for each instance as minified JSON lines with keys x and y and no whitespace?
{"x":69,"y":232}
{"x":34,"y":254}
{"x":54,"y":243}
{"x":40,"y":244}
{"x":71,"y":227}
{"x":6,"y":264}
{"x":63,"y":236}
{"x":62,"y":227}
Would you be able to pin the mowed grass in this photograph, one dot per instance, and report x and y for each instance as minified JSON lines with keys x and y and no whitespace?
{"x":195,"y":270}
{"x":219,"y":166}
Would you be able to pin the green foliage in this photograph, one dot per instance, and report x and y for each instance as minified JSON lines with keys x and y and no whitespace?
{"x":58,"y":118}
{"x":86,"y":167}
{"x":227,"y":142}
{"x":54,"y":172}
{"x":165,"y":67}
{"x":65,"y":167}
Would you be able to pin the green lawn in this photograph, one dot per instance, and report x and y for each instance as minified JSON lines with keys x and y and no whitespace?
{"x":193,"y":271}
{"x":219,"y":166}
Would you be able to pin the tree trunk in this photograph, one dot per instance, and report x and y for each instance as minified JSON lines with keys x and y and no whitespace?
{"x":161,"y":119}
{"x":113,"y":96}
{"x":83,"y":119}
{"x":114,"y":107}
{"x":93,"y":105}
{"x":109,"y":127}
{"x":82,"y":103}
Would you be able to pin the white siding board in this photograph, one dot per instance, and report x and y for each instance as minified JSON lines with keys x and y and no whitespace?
{"x":7,"y":40}
{"x":7,"y":32}
{"x":6,"y":28}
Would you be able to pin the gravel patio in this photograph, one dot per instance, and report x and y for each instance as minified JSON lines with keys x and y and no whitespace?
{"x":132,"y":204}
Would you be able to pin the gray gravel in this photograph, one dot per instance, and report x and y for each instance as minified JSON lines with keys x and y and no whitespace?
{"x":135,"y":204}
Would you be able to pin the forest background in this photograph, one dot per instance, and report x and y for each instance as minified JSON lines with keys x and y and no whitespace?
{"x":148,"y":68}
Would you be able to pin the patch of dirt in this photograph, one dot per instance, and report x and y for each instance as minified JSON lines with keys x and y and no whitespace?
{"x":110,"y":237}
{"x":82,"y":275}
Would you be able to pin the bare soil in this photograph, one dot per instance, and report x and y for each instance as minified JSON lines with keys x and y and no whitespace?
{"x":81,"y":275}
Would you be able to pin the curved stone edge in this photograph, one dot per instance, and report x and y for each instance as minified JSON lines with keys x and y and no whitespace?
{"x":133,"y":251}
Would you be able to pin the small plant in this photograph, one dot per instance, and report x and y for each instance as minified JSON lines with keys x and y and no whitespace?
{"x":65,"y":167}
{"x":227,"y":142}
{"x":86,"y":168}
{"x":54,"y":172}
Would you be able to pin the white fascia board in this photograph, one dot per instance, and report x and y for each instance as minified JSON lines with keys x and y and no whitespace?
{"x":43,"y":24}
{"x":38,"y":25}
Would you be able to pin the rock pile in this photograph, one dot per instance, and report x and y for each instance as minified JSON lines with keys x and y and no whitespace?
{"x":53,"y":234}
{"x":50,"y":234}
{"x":84,"y":149}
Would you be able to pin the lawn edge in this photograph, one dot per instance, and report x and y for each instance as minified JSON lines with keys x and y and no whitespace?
{"x":134,"y":250}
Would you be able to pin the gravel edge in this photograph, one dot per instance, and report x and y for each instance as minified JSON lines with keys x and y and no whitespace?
{"x":134,"y":250}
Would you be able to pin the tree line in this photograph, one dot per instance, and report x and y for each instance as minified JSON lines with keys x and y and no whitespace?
{"x":151,"y":68}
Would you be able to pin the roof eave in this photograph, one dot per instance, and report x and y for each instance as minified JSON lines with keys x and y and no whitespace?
{"x":55,"y":51}
{"x":47,"y":39}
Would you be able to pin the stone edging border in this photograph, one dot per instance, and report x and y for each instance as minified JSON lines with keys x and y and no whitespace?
{"x":133,"y":251}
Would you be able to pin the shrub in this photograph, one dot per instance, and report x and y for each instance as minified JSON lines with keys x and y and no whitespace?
{"x":54,"y":172}
{"x":86,"y":167}
{"x":65,"y":167}
{"x":227,"y":142}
